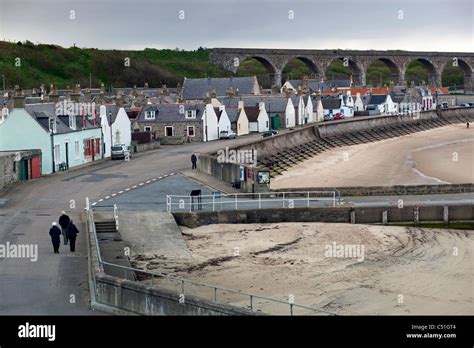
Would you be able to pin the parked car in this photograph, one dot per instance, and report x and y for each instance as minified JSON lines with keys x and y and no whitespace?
{"x":339,"y":116}
{"x":328,"y":117}
{"x":268,"y":134}
{"x":274,"y":131}
{"x":467,"y":105}
{"x":227,"y":134}
{"x":121,"y":152}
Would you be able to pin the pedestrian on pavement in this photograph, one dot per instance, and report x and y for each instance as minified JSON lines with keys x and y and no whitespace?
{"x":194,"y":161}
{"x":72,"y":232}
{"x":64,"y":221}
{"x":55,"y":234}
{"x":467,"y":125}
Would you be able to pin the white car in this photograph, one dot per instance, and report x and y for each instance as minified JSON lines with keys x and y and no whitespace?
{"x":227,"y":134}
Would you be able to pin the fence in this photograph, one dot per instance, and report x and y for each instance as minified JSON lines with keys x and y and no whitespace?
{"x":184,"y":284}
{"x":221,"y":201}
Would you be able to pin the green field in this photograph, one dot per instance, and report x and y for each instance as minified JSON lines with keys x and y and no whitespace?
{"x":51,"y":64}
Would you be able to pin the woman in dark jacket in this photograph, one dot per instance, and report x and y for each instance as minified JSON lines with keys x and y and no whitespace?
{"x":64,"y":221}
{"x":55,"y":234}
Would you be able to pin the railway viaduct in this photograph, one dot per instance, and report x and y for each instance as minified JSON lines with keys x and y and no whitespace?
{"x":274,"y":60}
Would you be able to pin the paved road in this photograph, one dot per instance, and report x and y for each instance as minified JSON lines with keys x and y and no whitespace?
{"x":48,"y":285}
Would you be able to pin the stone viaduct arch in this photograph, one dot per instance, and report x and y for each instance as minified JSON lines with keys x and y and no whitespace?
{"x":274,"y":60}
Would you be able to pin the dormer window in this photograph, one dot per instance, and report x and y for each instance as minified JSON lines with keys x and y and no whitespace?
{"x":72,"y":122}
{"x":52,"y":124}
{"x":150,"y":115}
{"x":190,"y":113}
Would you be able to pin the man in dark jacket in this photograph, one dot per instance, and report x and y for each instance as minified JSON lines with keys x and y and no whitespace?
{"x":72,"y":232}
{"x":64,"y":221}
{"x":55,"y":234}
{"x":194,"y":160}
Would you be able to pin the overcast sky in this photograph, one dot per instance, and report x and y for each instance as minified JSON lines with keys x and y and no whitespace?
{"x":424,"y":25}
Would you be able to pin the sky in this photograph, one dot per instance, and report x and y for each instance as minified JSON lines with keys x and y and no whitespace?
{"x":416,"y":25}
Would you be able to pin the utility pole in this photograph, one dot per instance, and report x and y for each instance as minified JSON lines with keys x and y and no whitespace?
{"x":90,"y":81}
{"x":3,"y":78}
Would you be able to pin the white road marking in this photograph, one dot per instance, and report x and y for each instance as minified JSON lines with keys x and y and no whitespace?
{"x":94,"y":203}
{"x":141,"y":184}
{"x":113,"y":195}
{"x":127,"y":189}
{"x":134,"y":186}
{"x":120,"y":192}
{"x":160,"y":177}
{"x":107,"y":197}
{"x":100,"y":200}
{"x":154,"y":179}
{"x":148,"y":182}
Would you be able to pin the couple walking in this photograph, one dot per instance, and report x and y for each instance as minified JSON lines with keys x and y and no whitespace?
{"x":68,"y":230}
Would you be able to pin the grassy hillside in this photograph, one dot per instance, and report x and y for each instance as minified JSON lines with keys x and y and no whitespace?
{"x":67,"y":66}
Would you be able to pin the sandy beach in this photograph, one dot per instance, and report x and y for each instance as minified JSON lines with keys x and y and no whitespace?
{"x":441,"y":155}
{"x":402,"y":271}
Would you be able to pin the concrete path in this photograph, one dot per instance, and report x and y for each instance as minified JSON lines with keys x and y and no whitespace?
{"x":153,"y":233}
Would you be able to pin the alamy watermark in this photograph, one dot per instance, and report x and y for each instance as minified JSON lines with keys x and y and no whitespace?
{"x":19,"y":251}
{"x":345,"y":251}
{"x":74,"y":109}
{"x":237,"y":156}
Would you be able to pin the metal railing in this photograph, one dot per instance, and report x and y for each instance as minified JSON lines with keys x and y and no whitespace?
{"x":116,"y":217}
{"x":235,"y":201}
{"x":182,"y":282}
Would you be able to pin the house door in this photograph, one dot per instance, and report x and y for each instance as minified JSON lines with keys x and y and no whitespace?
{"x":23,"y":170}
{"x":67,"y":155}
{"x":92,"y":146}
{"x":35,"y":165}
{"x":169,"y":131}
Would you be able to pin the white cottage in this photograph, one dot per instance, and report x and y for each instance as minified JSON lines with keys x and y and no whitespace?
{"x":210,"y":124}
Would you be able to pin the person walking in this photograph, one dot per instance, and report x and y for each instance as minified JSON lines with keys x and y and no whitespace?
{"x":194,"y":161}
{"x":64,"y":221}
{"x":55,"y":234}
{"x":72,"y":232}
{"x":467,"y":124}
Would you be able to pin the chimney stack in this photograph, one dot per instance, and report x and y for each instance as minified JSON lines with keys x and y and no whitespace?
{"x":76,"y":94}
{"x":53,"y":94}
{"x":18,"y":98}
{"x":229,"y":92}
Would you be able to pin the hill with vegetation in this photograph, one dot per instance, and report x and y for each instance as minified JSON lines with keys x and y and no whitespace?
{"x":29,"y":65}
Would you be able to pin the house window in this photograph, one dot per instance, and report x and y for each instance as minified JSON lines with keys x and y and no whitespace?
{"x":191,"y":131}
{"x":87,"y":148}
{"x":266,"y":124}
{"x":57,"y":153}
{"x":76,"y":149}
{"x":97,"y":146}
{"x":117,"y":137}
{"x":169,"y":131}
{"x":150,"y":115}
{"x":147,"y":129}
{"x":190,"y":113}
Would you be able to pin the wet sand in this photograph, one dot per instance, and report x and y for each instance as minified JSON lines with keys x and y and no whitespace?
{"x":422,"y":158}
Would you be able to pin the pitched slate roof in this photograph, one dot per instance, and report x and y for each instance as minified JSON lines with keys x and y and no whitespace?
{"x":338,"y":83}
{"x":252,"y":113}
{"x":171,"y":112}
{"x":109,"y":108}
{"x":233,"y":113}
{"x":331,"y":103}
{"x":273,"y":103}
{"x":377,"y":99}
{"x":313,"y":85}
{"x":199,"y":88}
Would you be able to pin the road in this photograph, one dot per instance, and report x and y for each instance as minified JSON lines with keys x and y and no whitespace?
{"x":57,"y":284}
